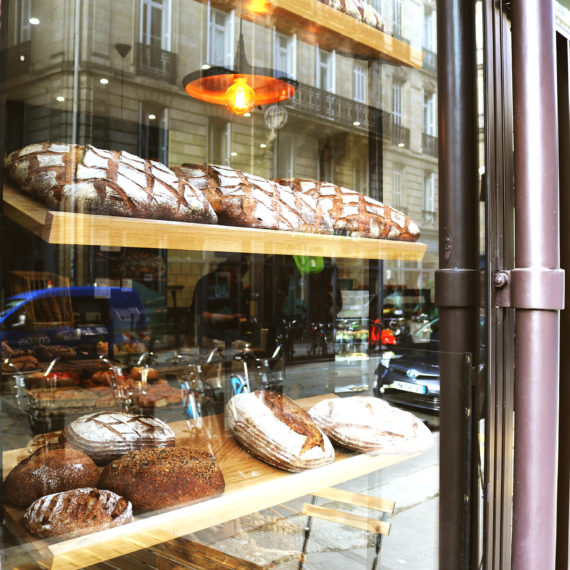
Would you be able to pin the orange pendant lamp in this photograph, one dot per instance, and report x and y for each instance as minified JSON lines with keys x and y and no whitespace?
{"x":242,"y":89}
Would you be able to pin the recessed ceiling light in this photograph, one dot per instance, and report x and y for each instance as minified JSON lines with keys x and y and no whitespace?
{"x":22,"y":57}
{"x":60,"y":98}
{"x":34,"y":21}
{"x":103,"y":81}
{"x":356,"y":123}
{"x":262,"y":145}
{"x":152,"y":117}
{"x":233,"y":153}
{"x":401,"y":145}
{"x":206,"y":66}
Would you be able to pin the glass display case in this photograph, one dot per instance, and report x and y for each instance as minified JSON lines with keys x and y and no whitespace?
{"x":204,"y":203}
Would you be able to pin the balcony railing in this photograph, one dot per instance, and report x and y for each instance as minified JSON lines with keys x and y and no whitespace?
{"x":430,"y":60}
{"x":18,"y":60}
{"x":429,"y":144}
{"x":395,"y":132}
{"x":156,"y":63}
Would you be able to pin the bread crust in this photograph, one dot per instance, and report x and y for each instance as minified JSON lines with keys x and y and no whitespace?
{"x":155,"y":479}
{"x":77,"y":512}
{"x":50,"y":469}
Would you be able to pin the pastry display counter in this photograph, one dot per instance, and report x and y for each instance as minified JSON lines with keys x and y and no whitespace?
{"x":86,"y":229}
{"x":251,"y":485}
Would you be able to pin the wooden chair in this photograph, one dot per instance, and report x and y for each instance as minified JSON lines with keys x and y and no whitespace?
{"x":380,"y":527}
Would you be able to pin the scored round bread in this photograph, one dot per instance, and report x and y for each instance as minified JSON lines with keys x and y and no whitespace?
{"x":105,"y":436}
{"x":245,"y":200}
{"x":160,"y":478}
{"x":78,"y":178}
{"x":365,"y":423}
{"x":276,"y":430}
{"x":355,"y":214}
{"x":50,"y":469}
{"x":77,"y":512}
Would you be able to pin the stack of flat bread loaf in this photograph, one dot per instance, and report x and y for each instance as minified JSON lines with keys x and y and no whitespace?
{"x":78,"y":178}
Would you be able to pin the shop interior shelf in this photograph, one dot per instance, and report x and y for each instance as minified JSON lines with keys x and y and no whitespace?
{"x":251,"y":485}
{"x":315,"y":23}
{"x":86,"y":229}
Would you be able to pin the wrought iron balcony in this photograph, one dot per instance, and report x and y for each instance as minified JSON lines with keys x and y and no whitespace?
{"x":430,"y":60}
{"x":18,"y":60}
{"x":156,"y":63}
{"x":429,"y":144}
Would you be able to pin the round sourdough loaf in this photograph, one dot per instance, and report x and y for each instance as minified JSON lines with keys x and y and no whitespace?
{"x":275,"y":429}
{"x":50,"y":469}
{"x":77,"y":512}
{"x":365,"y":423}
{"x":155,"y":479}
{"x":105,"y":436}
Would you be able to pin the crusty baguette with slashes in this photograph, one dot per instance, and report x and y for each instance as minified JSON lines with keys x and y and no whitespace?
{"x":244,"y":200}
{"x":78,"y":178}
{"x":276,"y":430}
{"x":77,"y":512}
{"x":355,"y":214}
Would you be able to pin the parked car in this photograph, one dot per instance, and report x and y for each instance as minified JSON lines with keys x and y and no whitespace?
{"x":409,"y":377}
{"x":79,"y":317}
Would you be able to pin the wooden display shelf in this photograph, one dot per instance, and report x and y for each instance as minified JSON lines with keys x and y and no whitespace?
{"x":317,"y":24}
{"x":251,"y":485}
{"x":86,"y":229}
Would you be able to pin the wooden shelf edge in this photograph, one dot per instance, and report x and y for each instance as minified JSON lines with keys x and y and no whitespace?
{"x":87,"y":229}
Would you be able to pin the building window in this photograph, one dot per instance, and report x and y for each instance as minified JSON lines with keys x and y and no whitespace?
{"x":155,"y":24}
{"x":360,"y":176}
{"x":153,"y":132}
{"x":220,"y":37}
{"x":397,"y":18}
{"x":359,"y":81}
{"x":429,"y":197}
{"x":397,"y":102}
{"x":285,"y":155}
{"x":397,"y":187}
{"x":429,"y":26}
{"x":22,"y":13}
{"x":325,"y":70}
{"x":285,"y":54}
{"x":428,"y":113}
{"x":219,"y":137}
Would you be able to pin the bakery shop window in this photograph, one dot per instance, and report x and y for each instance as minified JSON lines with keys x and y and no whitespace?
{"x":153,"y":132}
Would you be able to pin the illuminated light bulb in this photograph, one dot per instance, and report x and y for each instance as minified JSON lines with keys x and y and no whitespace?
{"x":233,"y":153}
{"x":240,"y":97}
{"x":104,"y":81}
{"x":34,"y":21}
{"x":356,"y":123}
{"x":152,"y":117}
{"x":247,"y":114}
{"x":60,"y":98}
{"x":262,"y":145}
{"x":206,"y":66}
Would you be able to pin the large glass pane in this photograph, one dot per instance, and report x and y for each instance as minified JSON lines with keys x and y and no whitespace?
{"x":169,"y":250}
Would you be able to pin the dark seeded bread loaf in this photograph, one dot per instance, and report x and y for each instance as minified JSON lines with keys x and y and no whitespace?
{"x":275,"y":429}
{"x":160,"y":478}
{"x":105,"y":436}
{"x":77,"y":512}
{"x":86,"y":179}
{"x":50,"y":469}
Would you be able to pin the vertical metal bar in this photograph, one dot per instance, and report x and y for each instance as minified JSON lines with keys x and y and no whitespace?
{"x":500,"y":321}
{"x":536,"y":245}
{"x":563,"y":514}
{"x":457,"y":279}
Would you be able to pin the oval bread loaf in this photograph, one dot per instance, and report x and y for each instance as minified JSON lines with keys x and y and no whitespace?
{"x":365,"y":423}
{"x":160,"y":478}
{"x":50,"y":469}
{"x":355,"y":214}
{"x":275,"y":429}
{"x":77,"y":512}
{"x":105,"y":436}
{"x":245,"y":200}
{"x":78,"y":178}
